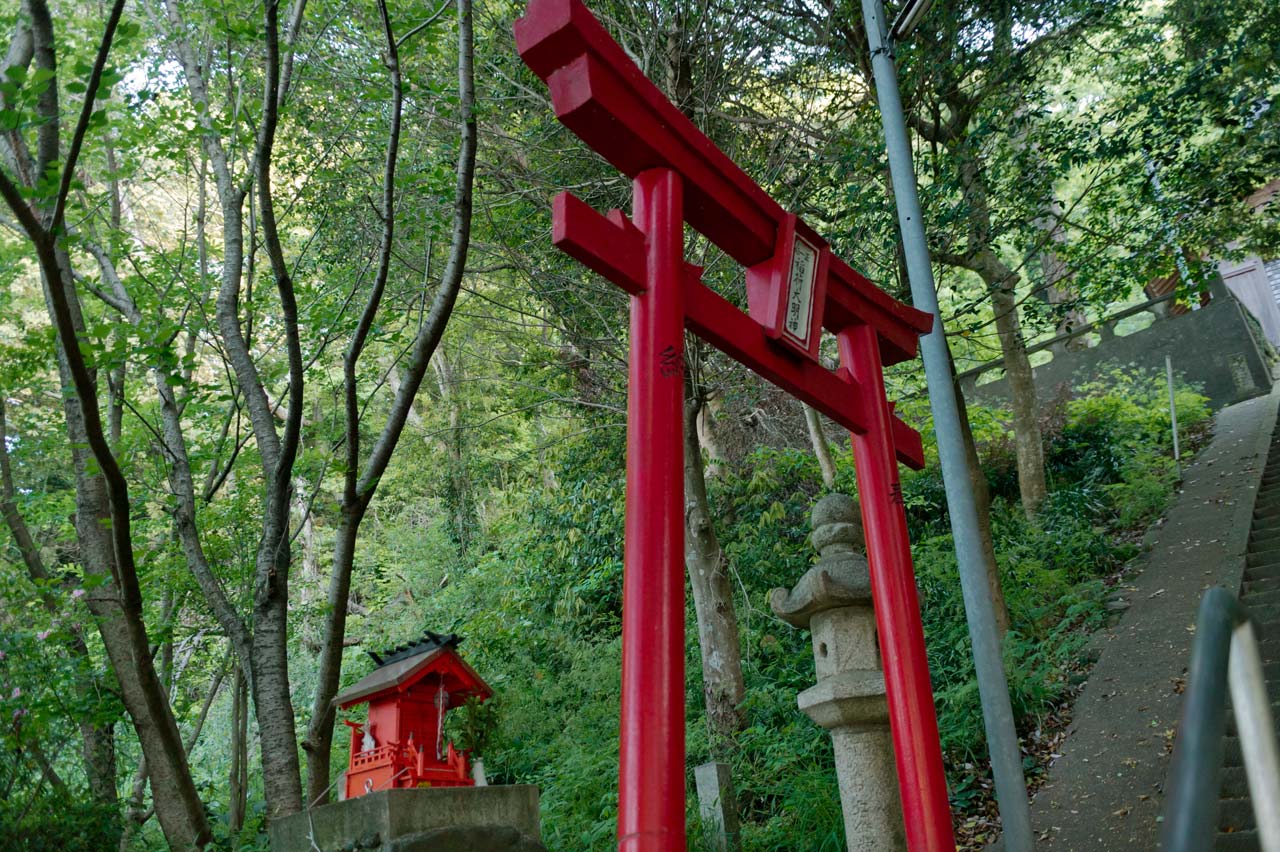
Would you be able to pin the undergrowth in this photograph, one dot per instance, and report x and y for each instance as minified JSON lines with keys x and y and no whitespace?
{"x":543,"y":606}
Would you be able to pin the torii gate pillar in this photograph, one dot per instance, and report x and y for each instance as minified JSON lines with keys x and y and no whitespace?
{"x":650,"y":777}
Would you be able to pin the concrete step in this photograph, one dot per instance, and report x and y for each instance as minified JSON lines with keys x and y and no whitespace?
{"x":1235,"y":815}
{"x":1251,"y":586}
{"x":1268,"y":498}
{"x":1262,"y":558}
{"x":1262,"y":537}
{"x":1260,"y":592}
{"x":1263,"y":603}
{"x":1270,"y":651}
{"x":1235,"y":785}
{"x":1264,"y":524}
{"x":1231,"y":751}
{"x":1238,"y":841}
{"x":1260,"y":572}
{"x":1229,"y":723}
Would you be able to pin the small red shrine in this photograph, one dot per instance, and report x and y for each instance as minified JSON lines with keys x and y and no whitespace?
{"x":402,"y":742}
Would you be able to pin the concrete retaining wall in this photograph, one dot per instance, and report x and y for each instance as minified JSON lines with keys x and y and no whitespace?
{"x":1216,"y":347}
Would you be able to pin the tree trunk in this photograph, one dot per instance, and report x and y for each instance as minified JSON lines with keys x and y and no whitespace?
{"x":709,"y":436}
{"x":273,"y":705}
{"x":361,"y":483}
{"x":98,"y":745}
{"x":1056,"y":275}
{"x":97,"y":740}
{"x":102,"y":501}
{"x":821,"y":449}
{"x":459,"y":481}
{"x":239,"y":774}
{"x":1001,"y":282}
{"x":722,"y":684}
{"x":1028,"y":443}
{"x":177,"y":803}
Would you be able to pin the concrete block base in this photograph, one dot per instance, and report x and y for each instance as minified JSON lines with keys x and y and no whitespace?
{"x":466,"y":819}
{"x":718,"y":806}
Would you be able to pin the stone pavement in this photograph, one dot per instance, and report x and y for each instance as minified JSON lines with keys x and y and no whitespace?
{"x":1104,"y":792}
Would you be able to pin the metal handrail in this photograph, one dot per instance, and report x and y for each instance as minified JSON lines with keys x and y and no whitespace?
{"x":1224,"y":656}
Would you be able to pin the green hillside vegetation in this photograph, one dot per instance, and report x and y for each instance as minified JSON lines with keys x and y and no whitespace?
{"x":290,"y":372}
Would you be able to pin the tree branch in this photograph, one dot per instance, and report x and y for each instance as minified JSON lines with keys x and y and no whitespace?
{"x":86,"y":114}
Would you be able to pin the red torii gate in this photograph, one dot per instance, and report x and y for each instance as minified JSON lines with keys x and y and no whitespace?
{"x":795,"y":288}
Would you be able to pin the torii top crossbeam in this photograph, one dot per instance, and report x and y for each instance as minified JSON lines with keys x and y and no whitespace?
{"x":796,"y":288}
{"x":600,"y":94}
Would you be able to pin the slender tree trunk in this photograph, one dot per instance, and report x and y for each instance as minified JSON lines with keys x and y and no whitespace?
{"x":1028,"y":443}
{"x":709,"y":436}
{"x":821,"y":449}
{"x":718,"y":639}
{"x":239,"y":774}
{"x":1001,"y":282}
{"x":273,"y":705}
{"x":98,"y":748}
{"x":135,"y":806}
{"x":361,"y":483}
{"x":178,"y":805}
{"x":97,"y":739}
{"x":102,"y":501}
{"x":459,"y":481}
{"x":1056,"y":274}
{"x":115,"y":609}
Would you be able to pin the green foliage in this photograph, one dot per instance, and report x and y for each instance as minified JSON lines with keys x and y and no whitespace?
{"x":1117,"y":438}
{"x":501,"y":515}
{"x":541,"y":609}
{"x":80,"y":826}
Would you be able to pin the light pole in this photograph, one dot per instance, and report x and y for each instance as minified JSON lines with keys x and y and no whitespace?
{"x":997,"y":714}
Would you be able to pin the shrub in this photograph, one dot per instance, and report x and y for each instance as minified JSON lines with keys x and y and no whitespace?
{"x":543,"y":603}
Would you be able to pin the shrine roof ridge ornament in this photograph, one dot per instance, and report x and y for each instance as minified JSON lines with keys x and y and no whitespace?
{"x":400,"y":667}
{"x":600,"y":94}
{"x":429,"y":641}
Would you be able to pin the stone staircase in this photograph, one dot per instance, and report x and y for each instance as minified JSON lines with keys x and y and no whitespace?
{"x":1260,"y":592}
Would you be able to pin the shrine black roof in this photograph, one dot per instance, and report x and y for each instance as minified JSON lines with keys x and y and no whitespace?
{"x":430,"y":641}
{"x":405,"y":663}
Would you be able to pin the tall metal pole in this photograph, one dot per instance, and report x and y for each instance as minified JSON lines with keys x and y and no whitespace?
{"x":651,"y":764}
{"x":997,"y":714}
{"x":1173,"y":414}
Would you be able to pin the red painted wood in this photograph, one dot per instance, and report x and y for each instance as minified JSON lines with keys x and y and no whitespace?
{"x":404,"y":720}
{"x":918,"y":752}
{"x":680,"y":175}
{"x":767,"y":287}
{"x":611,"y":246}
{"x":600,"y":94}
{"x":651,"y":766}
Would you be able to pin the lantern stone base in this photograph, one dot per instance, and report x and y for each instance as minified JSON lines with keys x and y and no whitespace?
{"x":444,"y":819}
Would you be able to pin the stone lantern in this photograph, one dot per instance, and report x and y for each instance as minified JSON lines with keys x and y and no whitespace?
{"x":833,"y":601}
